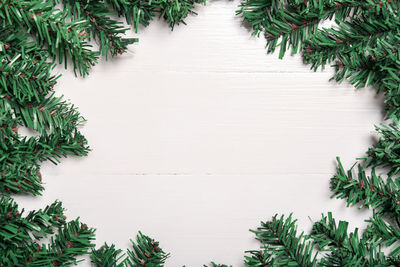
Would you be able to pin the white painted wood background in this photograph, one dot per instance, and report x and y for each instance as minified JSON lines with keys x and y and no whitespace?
{"x":198,"y":134}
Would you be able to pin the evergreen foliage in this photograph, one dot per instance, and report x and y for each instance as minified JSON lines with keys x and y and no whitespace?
{"x":36,"y":35}
{"x":279,"y":239}
{"x":141,"y":12}
{"x":146,"y":252}
{"x":386,"y":153}
{"x":20,"y":236}
{"x":343,"y":248}
{"x":27,"y":100}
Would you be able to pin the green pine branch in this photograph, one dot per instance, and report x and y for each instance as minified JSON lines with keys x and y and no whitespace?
{"x":20,"y":236}
{"x":107,"y":31}
{"x":258,"y":258}
{"x":386,"y":152}
{"x":107,"y":256}
{"x":343,"y":248}
{"x":279,"y":239}
{"x":381,"y":233}
{"x":367,"y":191}
{"x":61,"y":38}
{"x":145,"y":252}
{"x":25,"y":71}
{"x":141,"y":12}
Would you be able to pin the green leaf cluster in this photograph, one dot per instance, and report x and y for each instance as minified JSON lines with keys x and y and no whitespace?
{"x":27,"y":100}
{"x":145,"y":252}
{"x":21,"y":237}
{"x":141,"y":12}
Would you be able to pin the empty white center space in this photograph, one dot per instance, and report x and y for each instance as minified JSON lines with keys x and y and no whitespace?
{"x":198,"y":134}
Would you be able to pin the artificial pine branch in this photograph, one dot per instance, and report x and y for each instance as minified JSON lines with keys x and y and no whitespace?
{"x":367,"y":191}
{"x":20,"y":156}
{"x":25,"y":70}
{"x":62,"y":39}
{"x":107,"y":256}
{"x":381,"y":233}
{"x":20,"y":236}
{"x":108,"y":32}
{"x":141,"y":12}
{"x":359,"y":38}
{"x":15,"y":179}
{"x":146,"y":252}
{"x":386,"y":152}
{"x":258,"y":258}
{"x":289,"y":23}
{"x":279,"y":239}
{"x":335,"y":244}
{"x":27,"y":100}
{"x":343,"y":248}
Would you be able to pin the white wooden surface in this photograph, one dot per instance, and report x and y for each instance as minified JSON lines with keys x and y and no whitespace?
{"x":197,"y":135}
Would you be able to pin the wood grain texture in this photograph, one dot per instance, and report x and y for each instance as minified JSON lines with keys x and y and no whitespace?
{"x":197,"y":135}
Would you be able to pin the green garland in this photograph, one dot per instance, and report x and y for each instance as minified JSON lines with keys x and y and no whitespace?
{"x":363,"y":47}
